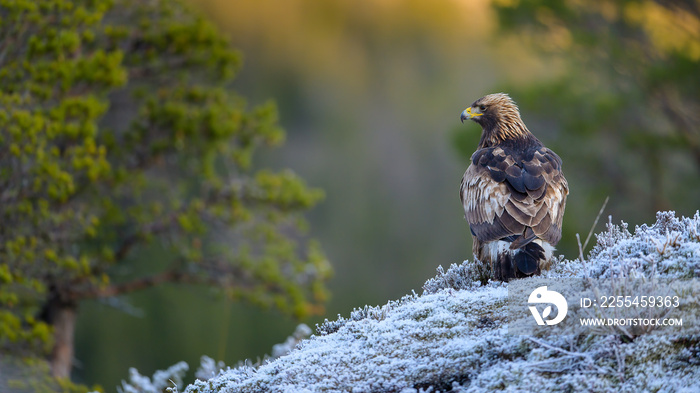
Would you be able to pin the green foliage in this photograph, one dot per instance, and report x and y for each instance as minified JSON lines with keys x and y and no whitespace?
{"x":32,"y":375}
{"x":117,"y":131}
{"x":621,"y":105}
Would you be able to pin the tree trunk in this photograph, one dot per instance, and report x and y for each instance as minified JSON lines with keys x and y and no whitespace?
{"x":61,"y":315}
{"x":64,"y":330}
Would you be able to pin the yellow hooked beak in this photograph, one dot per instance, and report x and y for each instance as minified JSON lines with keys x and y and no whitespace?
{"x":468,"y":114}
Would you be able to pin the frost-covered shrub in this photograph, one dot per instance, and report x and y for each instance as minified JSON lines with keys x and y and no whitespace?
{"x":670,"y":247}
{"x":162,"y":379}
{"x":466,"y":275}
{"x":300,"y":333}
{"x":454,"y":337}
{"x":377,"y":313}
{"x":209,"y":368}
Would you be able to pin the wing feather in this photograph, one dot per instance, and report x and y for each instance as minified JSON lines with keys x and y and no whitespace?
{"x":484,"y":199}
{"x":506,"y":191}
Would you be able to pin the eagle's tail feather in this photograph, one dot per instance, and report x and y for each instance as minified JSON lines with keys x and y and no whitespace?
{"x":523,"y":240}
{"x":527,"y":259}
{"x":522,"y":262}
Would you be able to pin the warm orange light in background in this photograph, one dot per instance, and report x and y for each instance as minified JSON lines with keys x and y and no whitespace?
{"x":671,"y":29}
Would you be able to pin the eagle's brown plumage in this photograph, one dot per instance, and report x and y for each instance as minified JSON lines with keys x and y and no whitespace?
{"x":513,"y":193}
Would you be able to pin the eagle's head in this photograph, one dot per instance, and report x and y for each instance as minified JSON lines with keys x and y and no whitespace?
{"x":499,"y":118}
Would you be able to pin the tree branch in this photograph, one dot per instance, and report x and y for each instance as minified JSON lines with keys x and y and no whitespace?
{"x":214,"y":274}
{"x":134,"y":285}
{"x":153,"y":228}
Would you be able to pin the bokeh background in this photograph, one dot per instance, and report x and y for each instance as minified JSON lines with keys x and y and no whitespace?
{"x":370,"y":94}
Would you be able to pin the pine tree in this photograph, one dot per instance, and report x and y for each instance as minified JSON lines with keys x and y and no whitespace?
{"x":118,"y":133}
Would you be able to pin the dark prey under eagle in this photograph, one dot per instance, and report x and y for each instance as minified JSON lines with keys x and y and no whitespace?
{"x":513,"y":193}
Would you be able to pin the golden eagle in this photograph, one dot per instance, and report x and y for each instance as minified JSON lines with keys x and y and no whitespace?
{"x":513,"y":193}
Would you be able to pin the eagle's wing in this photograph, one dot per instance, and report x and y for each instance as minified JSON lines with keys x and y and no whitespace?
{"x":503,"y":194}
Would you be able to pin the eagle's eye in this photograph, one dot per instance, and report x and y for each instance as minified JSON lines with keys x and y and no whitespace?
{"x":482,"y":107}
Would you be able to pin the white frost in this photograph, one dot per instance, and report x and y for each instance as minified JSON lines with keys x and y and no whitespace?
{"x":453,"y":337}
{"x":162,"y":380}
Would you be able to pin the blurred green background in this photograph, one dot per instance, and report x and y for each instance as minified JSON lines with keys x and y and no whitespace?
{"x":370,"y":94}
